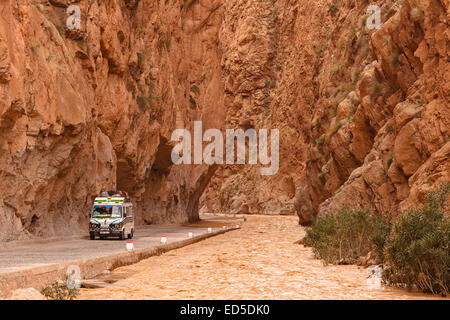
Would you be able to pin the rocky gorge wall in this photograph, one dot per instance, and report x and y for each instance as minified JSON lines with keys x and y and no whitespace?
{"x":384,"y":138}
{"x":92,"y":109}
{"x":363,"y":114}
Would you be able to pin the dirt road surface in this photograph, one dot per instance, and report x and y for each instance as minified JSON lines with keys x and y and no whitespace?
{"x":258,"y":261}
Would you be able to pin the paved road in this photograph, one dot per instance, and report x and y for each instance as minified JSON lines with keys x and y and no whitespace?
{"x":40,"y":254}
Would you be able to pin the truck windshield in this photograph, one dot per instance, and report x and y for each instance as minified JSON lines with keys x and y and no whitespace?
{"x":107,"y":211}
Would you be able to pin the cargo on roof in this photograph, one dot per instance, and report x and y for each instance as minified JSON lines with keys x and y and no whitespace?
{"x":110,"y":200}
{"x":112,"y":193}
{"x":113,"y":196}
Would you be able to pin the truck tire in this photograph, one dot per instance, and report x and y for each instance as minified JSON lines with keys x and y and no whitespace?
{"x":130,"y":235}
{"x":122,"y":235}
{"x":92,"y":236}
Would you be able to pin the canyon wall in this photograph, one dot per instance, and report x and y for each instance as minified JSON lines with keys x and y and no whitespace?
{"x":363,"y":114}
{"x":262,"y":69}
{"x":380,"y":130}
{"x":93,"y":109}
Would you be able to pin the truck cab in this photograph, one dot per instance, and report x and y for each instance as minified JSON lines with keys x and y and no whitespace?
{"x":112,"y":216}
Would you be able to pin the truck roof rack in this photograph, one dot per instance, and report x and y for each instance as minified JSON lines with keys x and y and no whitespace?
{"x":109,"y":200}
{"x":113,"y":197}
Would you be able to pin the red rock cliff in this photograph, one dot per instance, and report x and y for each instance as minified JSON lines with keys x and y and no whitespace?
{"x":87,"y":110}
{"x":363,"y":114}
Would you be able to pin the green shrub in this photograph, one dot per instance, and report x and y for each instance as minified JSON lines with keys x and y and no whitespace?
{"x":346,"y":235}
{"x":334,"y":127}
{"x":322,"y":178}
{"x":61,"y":29}
{"x":363,"y":21}
{"x":58,"y":290}
{"x":389,"y":162}
{"x":377,"y":88}
{"x":195,"y":89}
{"x":38,"y":6}
{"x":140,"y":57}
{"x":416,"y":14}
{"x":143,"y":102}
{"x":415,"y":249}
{"x":319,"y":49}
{"x":192,"y":102}
{"x":321,"y":140}
{"x":333,"y":10}
{"x":394,"y":57}
{"x":337,"y":69}
{"x":417,"y":252}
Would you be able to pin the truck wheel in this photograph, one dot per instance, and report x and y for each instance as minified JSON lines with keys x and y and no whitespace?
{"x":122,"y":235}
{"x":102,"y":237}
{"x":92,"y":236}
{"x":130,"y":235}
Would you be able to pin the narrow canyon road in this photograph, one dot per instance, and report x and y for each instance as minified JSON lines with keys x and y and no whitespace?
{"x":56,"y":252}
{"x":258,"y":261}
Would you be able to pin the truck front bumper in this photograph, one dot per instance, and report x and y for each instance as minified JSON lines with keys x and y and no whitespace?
{"x":106,"y":233}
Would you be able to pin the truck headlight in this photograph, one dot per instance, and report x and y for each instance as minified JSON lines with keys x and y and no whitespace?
{"x":94,"y":225}
{"x":116,"y":226}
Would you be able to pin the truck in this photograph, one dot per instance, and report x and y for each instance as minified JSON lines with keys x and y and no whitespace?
{"x":112,"y":216}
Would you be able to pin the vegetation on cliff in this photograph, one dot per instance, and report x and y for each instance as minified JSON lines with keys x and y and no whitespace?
{"x":414,"y":248}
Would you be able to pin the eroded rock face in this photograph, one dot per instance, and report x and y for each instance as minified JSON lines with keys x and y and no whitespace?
{"x":260,"y":93}
{"x":395,"y":145}
{"x":93,"y":109}
{"x":359,"y":111}
{"x":363,"y":114}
